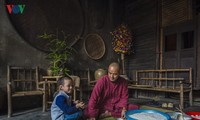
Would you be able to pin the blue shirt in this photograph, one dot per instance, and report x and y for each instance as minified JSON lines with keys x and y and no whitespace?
{"x":62,"y":105}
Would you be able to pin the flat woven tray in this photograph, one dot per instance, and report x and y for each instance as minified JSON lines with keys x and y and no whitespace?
{"x":94,"y":46}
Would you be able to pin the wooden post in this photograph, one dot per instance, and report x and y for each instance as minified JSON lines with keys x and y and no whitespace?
{"x":44,"y":96}
{"x":123,"y":64}
{"x":88,"y":76}
{"x":160,"y":30}
{"x":161,"y":49}
{"x":161,"y":55}
{"x":37,"y":76}
{"x":9,"y":93}
{"x":81,"y":93}
{"x":181,"y":95}
{"x":191,"y":87}
{"x":136,"y":78}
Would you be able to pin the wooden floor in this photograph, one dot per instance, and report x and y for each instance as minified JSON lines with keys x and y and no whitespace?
{"x":37,"y":114}
{"x":34,"y":114}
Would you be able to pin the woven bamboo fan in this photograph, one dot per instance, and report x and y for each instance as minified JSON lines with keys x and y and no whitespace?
{"x":94,"y":46}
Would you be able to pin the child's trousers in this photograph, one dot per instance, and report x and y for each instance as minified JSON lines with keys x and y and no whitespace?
{"x":74,"y":116}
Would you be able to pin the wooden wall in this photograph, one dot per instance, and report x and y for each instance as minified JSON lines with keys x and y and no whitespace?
{"x":145,"y":18}
{"x":101,"y":17}
{"x":198,"y":51}
{"x":18,"y":31}
{"x":142,"y":18}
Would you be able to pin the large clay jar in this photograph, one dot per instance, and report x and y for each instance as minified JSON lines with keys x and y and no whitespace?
{"x":99,"y":73}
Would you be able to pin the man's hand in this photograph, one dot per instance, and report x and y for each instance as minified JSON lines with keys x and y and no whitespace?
{"x":76,"y":102}
{"x":123,"y":113}
{"x":106,"y":114}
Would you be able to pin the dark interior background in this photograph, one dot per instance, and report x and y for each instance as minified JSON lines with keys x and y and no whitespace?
{"x":20,"y":46}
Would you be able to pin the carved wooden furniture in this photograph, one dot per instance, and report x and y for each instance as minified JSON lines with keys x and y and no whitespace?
{"x":84,"y":76}
{"x":50,"y":87}
{"x":87,"y":83}
{"x":22,"y":81}
{"x":77,"y":87}
{"x":165,"y":80}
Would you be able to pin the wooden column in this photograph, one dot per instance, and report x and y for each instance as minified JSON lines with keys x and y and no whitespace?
{"x":161,"y":49}
{"x":181,"y":96}
{"x":9,"y":93}
{"x":191,"y":87}
{"x":123,"y":63}
{"x":44,"y":97}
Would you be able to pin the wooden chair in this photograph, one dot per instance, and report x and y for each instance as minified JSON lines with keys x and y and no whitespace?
{"x":50,"y":86}
{"x":22,"y":81}
{"x":77,"y":87}
{"x":86,"y":84}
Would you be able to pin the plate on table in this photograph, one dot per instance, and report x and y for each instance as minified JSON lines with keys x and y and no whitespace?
{"x":146,"y":115}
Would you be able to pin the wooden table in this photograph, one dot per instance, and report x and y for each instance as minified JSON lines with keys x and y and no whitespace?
{"x":50,"y":88}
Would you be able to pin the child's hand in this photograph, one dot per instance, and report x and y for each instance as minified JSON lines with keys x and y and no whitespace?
{"x":80,"y":105}
{"x":76,"y":102}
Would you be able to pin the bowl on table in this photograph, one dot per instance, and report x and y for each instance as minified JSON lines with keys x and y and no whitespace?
{"x":146,"y":115}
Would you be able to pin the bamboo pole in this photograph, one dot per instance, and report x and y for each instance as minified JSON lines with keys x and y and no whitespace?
{"x":181,"y":95}
{"x":9,"y":92}
{"x":161,"y":35}
{"x":161,"y":48}
{"x":161,"y":44}
{"x":37,"y":77}
{"x":191,"y":87}
{"x":123,"y":64}
{"x":44,"y":107}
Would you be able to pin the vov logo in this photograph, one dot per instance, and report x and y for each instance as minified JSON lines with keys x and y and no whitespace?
{"x":15,"y":9}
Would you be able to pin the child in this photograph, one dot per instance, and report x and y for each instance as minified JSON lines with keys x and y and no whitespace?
{"x":62,"y":107}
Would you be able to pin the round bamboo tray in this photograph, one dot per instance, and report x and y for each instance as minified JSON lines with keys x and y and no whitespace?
{"x":94,"y":46}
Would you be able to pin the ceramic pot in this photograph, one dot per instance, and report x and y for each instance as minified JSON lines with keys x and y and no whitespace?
{"x":99,"y":73}
{"x":49,"y":72}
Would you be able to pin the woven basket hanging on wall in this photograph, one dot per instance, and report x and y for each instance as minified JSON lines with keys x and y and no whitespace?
{"x":94,"y":46}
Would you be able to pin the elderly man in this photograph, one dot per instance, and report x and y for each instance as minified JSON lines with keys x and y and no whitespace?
{"x":109,"y":96}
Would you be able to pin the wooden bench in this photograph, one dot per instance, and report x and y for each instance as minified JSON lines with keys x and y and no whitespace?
{"x":165,"y":80}
{"x":23,"y":81}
